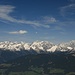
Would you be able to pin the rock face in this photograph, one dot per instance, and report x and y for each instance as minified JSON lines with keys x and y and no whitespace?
{"x":37,"y":46}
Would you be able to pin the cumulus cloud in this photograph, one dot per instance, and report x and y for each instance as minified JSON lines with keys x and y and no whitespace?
{"x":18,"y":32}
{"x":6,"y":10}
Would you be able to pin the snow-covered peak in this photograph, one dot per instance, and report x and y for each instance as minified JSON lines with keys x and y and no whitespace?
{"x":41,"y":45}
{"x":67,"y":46}
{"x":52,"y":49}
{"x":13,"y":46}
{"x":17,"y":46}
{"x":37,"y":46}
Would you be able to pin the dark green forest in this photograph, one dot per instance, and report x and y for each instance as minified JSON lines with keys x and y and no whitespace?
{"x":40,"y":64}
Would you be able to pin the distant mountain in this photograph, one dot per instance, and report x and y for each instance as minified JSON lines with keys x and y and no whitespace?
{"x":37,"y":46}
{"x":12,"y":50}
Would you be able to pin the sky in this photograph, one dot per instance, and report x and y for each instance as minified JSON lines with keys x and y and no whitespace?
{"x":43,"y":20}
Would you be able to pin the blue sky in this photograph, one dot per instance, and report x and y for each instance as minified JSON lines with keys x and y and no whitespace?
{"x":31,"y":20}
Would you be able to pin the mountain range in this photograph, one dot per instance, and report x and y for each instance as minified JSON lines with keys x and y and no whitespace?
{"x":12,"y":50}
{"x":38,"y":46}
{"x":37,"y":58}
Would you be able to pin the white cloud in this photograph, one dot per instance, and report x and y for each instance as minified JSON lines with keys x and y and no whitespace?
{"x":49,"y":20}
{"x":6,"y":10}
{"x":33,"y":23}
{"x":71,"y":0}
{"x":18,"y":32}
{"x":68,"y":10}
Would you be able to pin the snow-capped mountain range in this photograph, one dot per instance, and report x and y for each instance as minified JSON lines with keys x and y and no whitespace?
{"x":38,"y":46}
